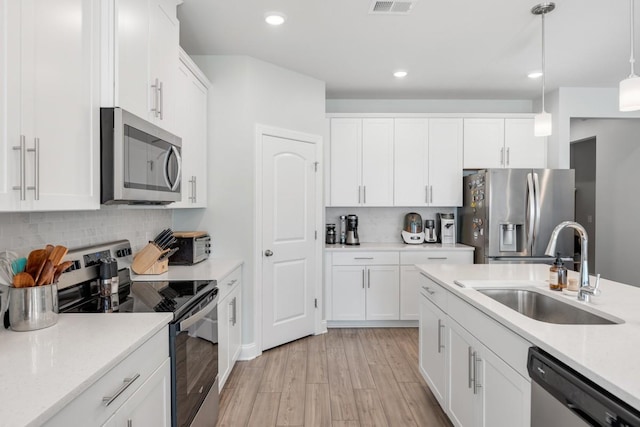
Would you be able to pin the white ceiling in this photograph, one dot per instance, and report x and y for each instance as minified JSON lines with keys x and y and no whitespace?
{"x":452,"y":49}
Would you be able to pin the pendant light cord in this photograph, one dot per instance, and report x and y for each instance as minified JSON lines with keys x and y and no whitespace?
{"x":632,"y":59}
{"x":544,"y":71}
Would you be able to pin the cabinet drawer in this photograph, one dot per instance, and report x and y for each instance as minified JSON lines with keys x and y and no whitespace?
{"x":229,"y":282}
{"x":365,"y":258}
{"x":434,"y":292}
{"x":509,"y":346}
{"x":90,"y":406}
{"x":436,"y":257}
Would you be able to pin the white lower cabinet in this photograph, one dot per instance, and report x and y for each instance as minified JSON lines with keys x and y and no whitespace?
{"x":229,"y":329}
{"x":433,"y":348}
{"x":365,"y":292}
{"x":474,"y":383}
{"x":150,"y":405}
{"x":136,"y":392}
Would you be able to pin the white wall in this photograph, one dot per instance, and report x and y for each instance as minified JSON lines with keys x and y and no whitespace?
{"x":428,"y":106}
{"x":617,"y":204}
{"x":246,"y":92}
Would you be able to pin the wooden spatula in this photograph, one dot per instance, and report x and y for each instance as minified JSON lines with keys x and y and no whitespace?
{"x":57,"y":254}
{"x":61,"y":268}
{"x":35,"y":262}
{"x":46,"y":276}
{"x":23,"y":280}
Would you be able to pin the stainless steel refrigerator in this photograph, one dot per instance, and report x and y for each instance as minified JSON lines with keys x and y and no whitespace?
{"x":508,"y":214}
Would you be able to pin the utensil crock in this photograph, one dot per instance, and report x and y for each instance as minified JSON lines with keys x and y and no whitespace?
{"x":33,"y":308}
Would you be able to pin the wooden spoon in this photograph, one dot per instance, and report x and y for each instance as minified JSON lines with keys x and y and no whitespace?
{"x":61,"y":268}
{"x":35,"y":263}
{"x":23,"y":280}
{"x":57,"y":254}
{"x":46,"y":276}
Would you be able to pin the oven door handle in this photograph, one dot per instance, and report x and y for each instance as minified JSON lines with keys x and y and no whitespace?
{"x":195,"y":318}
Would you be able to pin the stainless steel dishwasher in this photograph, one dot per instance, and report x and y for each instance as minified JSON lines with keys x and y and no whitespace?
{"x":560,"y":396}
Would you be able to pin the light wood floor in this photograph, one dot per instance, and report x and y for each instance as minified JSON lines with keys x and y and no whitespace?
{"x":345,"y":378}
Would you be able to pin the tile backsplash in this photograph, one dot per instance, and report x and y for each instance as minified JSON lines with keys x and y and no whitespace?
{"x":380,"y":225}
{"x":22,"y":232}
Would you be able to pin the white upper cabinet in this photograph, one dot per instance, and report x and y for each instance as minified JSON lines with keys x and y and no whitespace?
{"x":361,"y":162}
{"x":191,"y":125}
{"x":50,"y":111}
{"x":502,"y":143}
{"x":428,"y":162}
{"x":143,"y":45}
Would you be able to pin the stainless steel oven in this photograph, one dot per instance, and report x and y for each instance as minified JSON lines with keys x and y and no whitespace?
{"x":140,"y":162}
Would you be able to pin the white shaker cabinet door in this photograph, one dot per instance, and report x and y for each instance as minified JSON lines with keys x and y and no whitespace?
{"x":348,"y":293}
{"x":433,"y":356}
{"x":484,"y":143}
{"x":523,"y":148}
{"x":445,"y":162}
{"x":383,"y":292}
{"x":346,"y":162}
{"x":409,"y":292}
{"x":463,"y":400}
{"x":377,"y":162}
{"x":411,"y":162}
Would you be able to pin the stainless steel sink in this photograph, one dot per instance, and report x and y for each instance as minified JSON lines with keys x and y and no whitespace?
{"x":544,"y":308}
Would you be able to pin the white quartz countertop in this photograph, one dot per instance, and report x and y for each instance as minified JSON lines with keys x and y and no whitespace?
{"x":397,"y":247}
{"x":606,"y":354}
{"x":210,"y":269}
{"x":44,"y":370}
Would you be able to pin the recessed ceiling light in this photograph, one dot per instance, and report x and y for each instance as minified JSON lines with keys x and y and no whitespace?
{"x":535,"y":74}
{"x":400,"y":74}
{"x":274,"y":18}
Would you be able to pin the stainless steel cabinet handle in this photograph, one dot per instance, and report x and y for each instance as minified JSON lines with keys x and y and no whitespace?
{"x":268,"y":252}
{"x":108,"y":400}
{"x":359,"y":193}
{"x":362,"y":279}
{"x":362,"y":257}
{"x":441,"y":328}
{"x":428,"y":289}
{"x":368,"y":278}
{"x":192,"y":197}
{"x":439,"y":336}
{"x":195,"y":190}
{"x":470,"y":360}
{"x":129,"y":422}
{"x":502,"y":156}
{"x":156,"y":99}
{"x":161,"y":96}
{"x":476,"y":383}
{"x":23,"y":177}
{"x":364,"y":194}
{"x":431,"y":194}
{"x":235,"y":311}
{"x":232,"y":282}
{"x":508,"y":156}
{"x":437,"y":257}
{"x":426,"y":194}
{"x":36,"y":169}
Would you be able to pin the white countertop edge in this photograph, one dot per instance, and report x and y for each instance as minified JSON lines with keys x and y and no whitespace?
{"x":397,"y":246}
{"x":210,"y":269}
{"x":517,"y":323}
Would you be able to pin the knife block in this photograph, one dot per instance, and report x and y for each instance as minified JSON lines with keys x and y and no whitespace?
{"x":146,"y":261}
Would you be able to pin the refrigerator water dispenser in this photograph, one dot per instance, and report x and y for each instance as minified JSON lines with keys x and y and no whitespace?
{"x":508,"y":238}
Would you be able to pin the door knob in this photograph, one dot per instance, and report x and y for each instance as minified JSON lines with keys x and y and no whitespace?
{"x":268,"y":252}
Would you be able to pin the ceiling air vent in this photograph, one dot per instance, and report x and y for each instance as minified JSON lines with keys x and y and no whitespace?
{"x":391,"y":7}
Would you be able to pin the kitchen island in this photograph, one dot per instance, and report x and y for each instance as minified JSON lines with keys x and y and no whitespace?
{"x":43,"y":371}
{"x":605,"y":354}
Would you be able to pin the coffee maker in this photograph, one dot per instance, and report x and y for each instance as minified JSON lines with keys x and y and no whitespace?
{"x":352,"y":230}
{"x":447,"y":228}
{"x":430,"y":235}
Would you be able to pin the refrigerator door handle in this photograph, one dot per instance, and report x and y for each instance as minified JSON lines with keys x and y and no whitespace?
{"x":536,"y":192}
{"x":531,"y":211}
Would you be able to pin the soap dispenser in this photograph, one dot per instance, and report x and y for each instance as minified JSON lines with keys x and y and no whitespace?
{"x":557,"y":275}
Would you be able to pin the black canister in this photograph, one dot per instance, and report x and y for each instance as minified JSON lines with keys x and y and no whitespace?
{"x":104,"y":287}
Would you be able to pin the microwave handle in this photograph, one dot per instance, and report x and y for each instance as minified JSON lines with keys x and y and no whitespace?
{"x":167,"y":179}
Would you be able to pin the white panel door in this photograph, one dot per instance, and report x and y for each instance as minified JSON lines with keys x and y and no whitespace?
{"x":383,"y":292}
{"x":348,"y":293}
{"x":288,"y":242}
{"x":377,"y":162}
{"x":411,"y":163}
{"x":523,"y":148}
{"x":346,"y":162}
{"x":409,"y":292}
{"x":445,"y":162}
{"x":483,"y":143}
{"x":433,"y":349}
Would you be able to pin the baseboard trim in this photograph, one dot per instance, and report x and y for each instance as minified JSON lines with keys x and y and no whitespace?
{"x":249,"y":351}
{"x":372,"y":323}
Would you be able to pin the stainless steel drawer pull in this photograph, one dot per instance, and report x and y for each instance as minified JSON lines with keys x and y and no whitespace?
{"x":108,"y":400}
{"x":129,"y":422}
{"x":428,"y":289}
{"x":476,"y":383}
{"x":232,"y":282}
{"x":440,"y":328}
{"x":437,"y":257}
{"x":362,"y":279}
{"x":368,"y":278}
{"x":363,"y":257}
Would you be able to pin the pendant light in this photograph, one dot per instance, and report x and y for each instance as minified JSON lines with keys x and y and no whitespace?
{"x":630,"y":87}
{"x":542,"y":121}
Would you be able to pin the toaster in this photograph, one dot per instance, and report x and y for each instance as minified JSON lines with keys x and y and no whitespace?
{"x":193,"y":247}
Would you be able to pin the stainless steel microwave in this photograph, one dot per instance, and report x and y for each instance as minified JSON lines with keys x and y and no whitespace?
{"x":140,"y":163}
